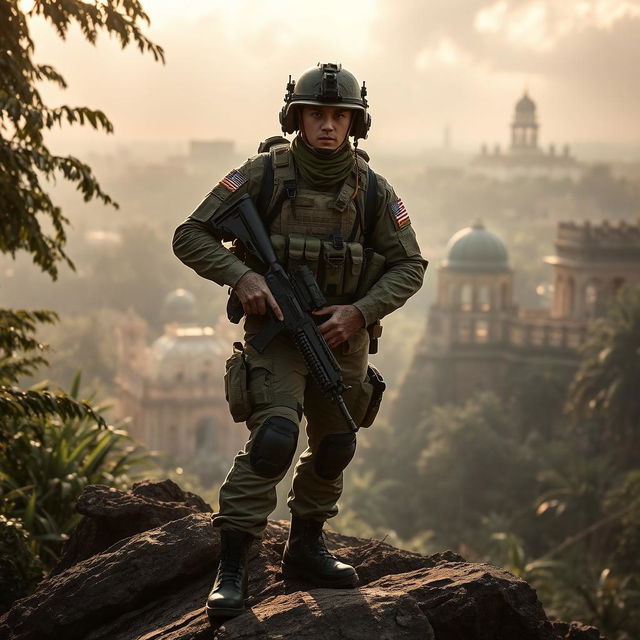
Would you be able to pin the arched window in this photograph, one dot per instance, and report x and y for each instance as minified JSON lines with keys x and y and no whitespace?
{"x":464,"y":330}
{"x":484,"y":298}
{"x":504,"y":295}
{"x":570,"y":296}
{"x":466,"y":297}
{"x":591,"y":299}
{"x":481,"y":332}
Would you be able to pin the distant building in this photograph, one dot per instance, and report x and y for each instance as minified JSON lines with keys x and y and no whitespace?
{"x":173,"y":389}
{"x":475,"y":331}
{"x":525,"y":158}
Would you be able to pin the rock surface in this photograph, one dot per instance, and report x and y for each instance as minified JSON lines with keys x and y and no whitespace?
{"x":141,"y":564}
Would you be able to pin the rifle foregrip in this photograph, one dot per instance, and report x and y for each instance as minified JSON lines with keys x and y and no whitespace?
{"x":313,"y":364}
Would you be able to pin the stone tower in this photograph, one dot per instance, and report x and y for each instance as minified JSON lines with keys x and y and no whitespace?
{"x":524,"y":128}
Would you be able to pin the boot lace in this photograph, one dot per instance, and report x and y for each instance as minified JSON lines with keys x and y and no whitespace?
{"x":230,"y":571}
{"x":319,"y":546}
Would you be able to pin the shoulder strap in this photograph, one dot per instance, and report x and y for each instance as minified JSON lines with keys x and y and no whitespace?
{"x":365,"y":220}
{"x":266,"y":188}
{"x":370,"y":205}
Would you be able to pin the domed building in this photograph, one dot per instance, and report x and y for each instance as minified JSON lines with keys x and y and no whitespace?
{"x":525,"y":158}
{"x":173,"y":390}
{"x":477,"y":337}
{"x":474,"y":308}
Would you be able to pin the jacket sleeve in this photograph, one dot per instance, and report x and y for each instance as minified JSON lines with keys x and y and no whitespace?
{"x":197,"y":244}
{"x":394,"y":238}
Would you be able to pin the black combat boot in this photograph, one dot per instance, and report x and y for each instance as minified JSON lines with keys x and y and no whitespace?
{"x":229,"y":591}
{"x":306,"y":556}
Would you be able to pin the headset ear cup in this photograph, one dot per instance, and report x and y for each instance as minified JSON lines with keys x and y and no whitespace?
{"x":361,"y":125}
{"x":288,"y":119}
{"x":281,"y":117}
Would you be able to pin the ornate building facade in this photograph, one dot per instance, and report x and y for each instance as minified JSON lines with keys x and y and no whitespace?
{"x":173,"y":390}
{"x":524,"y":156}
{"x":476,"y":332}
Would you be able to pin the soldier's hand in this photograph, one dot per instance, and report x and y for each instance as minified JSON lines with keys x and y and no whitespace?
{"x":255,"y":296}
{"x":345,"y":320}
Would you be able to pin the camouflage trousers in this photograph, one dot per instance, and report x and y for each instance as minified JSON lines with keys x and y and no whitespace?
{"x":280,"y":386}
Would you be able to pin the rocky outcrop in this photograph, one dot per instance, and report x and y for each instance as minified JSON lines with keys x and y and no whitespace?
{"x":113,"y":515}
{"x":142,"y":562}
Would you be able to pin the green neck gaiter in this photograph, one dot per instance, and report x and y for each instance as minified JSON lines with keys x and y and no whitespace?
{"x":320,"y":169}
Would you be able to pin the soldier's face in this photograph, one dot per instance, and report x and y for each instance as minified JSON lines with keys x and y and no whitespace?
{"x":325,"y":127}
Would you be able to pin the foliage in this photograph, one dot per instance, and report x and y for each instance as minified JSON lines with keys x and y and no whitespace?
{"x":52,"y":444}
{"x":606,"y":386}
{"x":21,"y":354}
{"x":24,"y":118}
{"x":45,"y":463}
{"x":513,"y":480}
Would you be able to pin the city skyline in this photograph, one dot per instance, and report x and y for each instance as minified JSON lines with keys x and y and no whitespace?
{"x":427,"y":66}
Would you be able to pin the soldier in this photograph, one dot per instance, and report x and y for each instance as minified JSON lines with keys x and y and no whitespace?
{"x":324,"y":208}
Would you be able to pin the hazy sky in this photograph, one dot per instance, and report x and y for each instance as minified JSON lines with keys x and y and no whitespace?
{"x":427,"y":63}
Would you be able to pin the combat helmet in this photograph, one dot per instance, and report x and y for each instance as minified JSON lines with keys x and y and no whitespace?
{"x":326,"y":84}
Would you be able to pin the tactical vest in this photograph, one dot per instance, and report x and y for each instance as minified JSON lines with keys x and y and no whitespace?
{"x":321,"y":229}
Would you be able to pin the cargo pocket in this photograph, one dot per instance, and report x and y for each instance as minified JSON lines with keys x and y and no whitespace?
{"x":260,"y":376}
{"x":235,"y":384}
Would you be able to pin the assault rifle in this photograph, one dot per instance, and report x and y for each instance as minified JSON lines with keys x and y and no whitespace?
{"x":297,"y":296}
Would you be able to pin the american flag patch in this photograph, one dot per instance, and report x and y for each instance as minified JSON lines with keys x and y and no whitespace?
{"x":400,"y":213}
{"x":233,"y":180}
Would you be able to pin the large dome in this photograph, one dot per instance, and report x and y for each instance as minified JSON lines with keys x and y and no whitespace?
{"x":184,"y":354}
{"x":476,"y":249}
{"x":180,"y":306}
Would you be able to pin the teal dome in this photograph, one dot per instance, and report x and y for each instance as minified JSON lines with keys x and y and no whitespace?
{"x":180,"y":306}
{"x":476,"y":249}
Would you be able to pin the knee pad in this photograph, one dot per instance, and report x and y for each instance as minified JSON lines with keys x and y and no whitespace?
{"x":274,"y":446}
{"x":334,"y":454}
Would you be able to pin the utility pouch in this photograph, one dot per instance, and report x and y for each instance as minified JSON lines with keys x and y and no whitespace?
{"x":353,"y":268}
{"x":333,"y":259}
{"x":374,"y":267}
{"x":235,"y":384}
{"x":375,"y":331}
{"x":295,"y":254}
{"x":279,"y":244}
{"x":378,"y":384}
{"x":312,"y":254}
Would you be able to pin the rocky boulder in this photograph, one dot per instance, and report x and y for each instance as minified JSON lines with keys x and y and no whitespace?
{"x":141,"y":564}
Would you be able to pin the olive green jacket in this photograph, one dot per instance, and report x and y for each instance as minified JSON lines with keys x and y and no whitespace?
{"x":196,"y":244}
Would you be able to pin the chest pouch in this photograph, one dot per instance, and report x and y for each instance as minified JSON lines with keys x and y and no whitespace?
{"x":332,"y":265}
{"x":295,"y":256}
{"x":312,"y":254}
{"x":279,"y":244}
{"x":352,"y":268}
